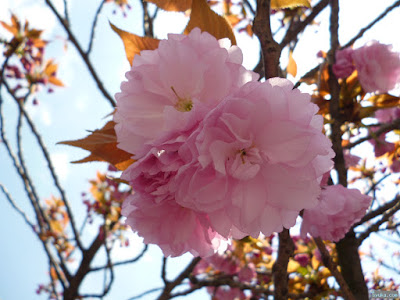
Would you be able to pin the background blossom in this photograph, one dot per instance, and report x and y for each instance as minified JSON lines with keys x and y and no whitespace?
{"x":337,"y":210}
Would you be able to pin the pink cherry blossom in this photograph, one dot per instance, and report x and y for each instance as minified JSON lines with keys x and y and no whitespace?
{"x":260,"y":159}
{"x":247,"y":273}
{"x":175,"y":229}
{"x":337,"y":210}
{"x":343,"y":66}
{"x":378,"y":67}
{"x":171,"y":88}
{"x":388,"y":115}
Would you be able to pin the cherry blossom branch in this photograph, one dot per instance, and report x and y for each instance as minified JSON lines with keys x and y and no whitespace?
{"x":271,"y":50}
{"x":85,"y":58}
{"x":248,"y":5}
{"x":94,"y":24}
{"x":145,"y":293}
{"x":369,"y":26}
{"x":374,"y":213}
{"x":166,"y":294}
{"x":384,"y":128}
{"x":164,"y":271}
{"x":293,"y":32}
{"x":375,"y":226}
{"x":15,"y":206}
{"x":125,"y":262}
{"x":329,"y":263}
{"x":147,"y":20}
{"x":49,"y":165}
{"x":66,"y":14}
{"x":312,"y":72}
{"x":279,"y":269}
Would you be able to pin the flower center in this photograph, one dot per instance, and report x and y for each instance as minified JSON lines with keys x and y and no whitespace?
{"x":183,"y":104}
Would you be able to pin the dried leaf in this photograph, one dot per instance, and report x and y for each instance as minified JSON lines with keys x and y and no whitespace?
{"x":172,"y":5}
{"x":293,"y":266}
{"x":384,"y":100}
{"x":102,"y":144}
{"x":134,"y":43}
{"x":279,"y":4}
{"x":206,"y":19}
{"x":292,"y":66}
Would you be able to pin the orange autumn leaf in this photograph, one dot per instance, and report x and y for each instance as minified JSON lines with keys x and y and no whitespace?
{"x":206,"y":19}
{"x":134,"y":44}
{"x":384,"y":100}
{"x":292,"y":66}
{"x":102,"y":144}
{"x":50,"y":70}
{"x":280,"y":4}
{"x":14,"y":27}
{"x":172,"y":5}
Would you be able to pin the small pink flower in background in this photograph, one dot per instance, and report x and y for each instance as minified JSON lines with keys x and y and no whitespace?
{"x":378,"y":67}
{"x":171,"y":88}
{"x":388,"y":115}
{"x":343,"y":66}
{"x":302,"y":259}
{"x":381,"y":146}
{"x":247,"y":273}
{"x":350,"y":159}
{"x":338,"y":209}
{"x":261,"y":156}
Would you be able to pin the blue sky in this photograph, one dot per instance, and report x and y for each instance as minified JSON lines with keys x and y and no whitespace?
{"x":68,"y":112}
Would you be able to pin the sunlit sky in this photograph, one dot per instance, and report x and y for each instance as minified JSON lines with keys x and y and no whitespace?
{"x":68,"y":112}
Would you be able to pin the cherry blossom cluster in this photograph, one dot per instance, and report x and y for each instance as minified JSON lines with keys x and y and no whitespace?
{"x":377,"y":65}
{"x":218,"y":154}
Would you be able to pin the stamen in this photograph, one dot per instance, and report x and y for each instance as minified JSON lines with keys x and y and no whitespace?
{"x":183,"y":104}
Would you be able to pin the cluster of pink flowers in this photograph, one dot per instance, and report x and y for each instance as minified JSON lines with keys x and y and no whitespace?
{"x":377,"y":65}
{"x":219,"y":154}
{"x":337,"y":210}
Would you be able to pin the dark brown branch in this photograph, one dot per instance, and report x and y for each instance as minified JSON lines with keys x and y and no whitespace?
{"x":120,"y":263}
{"x":384,"y":128}
{"x":375,"y":227}
{"x":293,"y":32}
{"x":164,"y":271}
{"x":94,"y":24}
{"x":248,"y":5}
{"x":279,"y":270}
{"x":369,"y":26}
{"x":377,"y":212}
{"x":328,"y":262}
{"x":166,"y":294}
{"x":71,"y":292}
{"x":85,"y":58}
{"x":270,"y":49}
{"x":66,"y":14}
{"x":147,"y":20}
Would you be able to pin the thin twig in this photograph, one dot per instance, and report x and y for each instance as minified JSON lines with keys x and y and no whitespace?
{"x":328,"y":262}
{"x":377,"y":212}
{"x":85,"y":58}
{"x":166,"y":294}
{"x":375,"y":227}
{"x":15,"y":206}
{"x":369,"y":26}
{"x":125,"y":262}
{"x":300,"y":26}
{"x":383,"y":129}
{"x":92,"y":32}
{"x":164,"y":271}
{"x":146,"y":293}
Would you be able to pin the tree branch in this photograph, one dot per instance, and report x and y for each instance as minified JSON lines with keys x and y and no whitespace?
{"x":328,"y":262}
{"x":94,"y":24}
{"x":279,"y":270}
{"x":270,"y":49}
{"x":85,"y":58}
{"x":300,"y":26}
{"x":166,"y":294}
